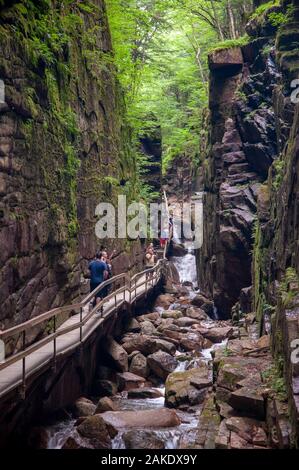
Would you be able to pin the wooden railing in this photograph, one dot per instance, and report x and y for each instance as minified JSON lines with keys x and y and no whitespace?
{"x":127,"y":291}
{"x":124,"y":290}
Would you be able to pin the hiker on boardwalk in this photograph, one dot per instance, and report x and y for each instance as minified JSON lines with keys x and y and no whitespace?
{"x":97,"y":268}
{"x":108,"y":273}
{"x":150,"y":258}
{"x":164,"y":237}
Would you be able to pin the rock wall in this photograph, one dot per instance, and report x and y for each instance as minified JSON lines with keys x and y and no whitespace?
{"x":178,"y":179}
{"x":276,"y":256}
{"x":251,"y":186}
{"x":243,"y":144}
{"x":64,"y":147}
{"x":151,"y":148}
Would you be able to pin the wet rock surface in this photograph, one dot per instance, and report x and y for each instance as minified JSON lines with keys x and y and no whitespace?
{"x":217,"y":394}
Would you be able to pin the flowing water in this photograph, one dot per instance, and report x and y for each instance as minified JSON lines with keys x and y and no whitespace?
{"x":173,"y":438}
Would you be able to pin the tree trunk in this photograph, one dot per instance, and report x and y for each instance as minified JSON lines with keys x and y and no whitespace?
{"x":217,"y":22}
{"x":232,"y":26}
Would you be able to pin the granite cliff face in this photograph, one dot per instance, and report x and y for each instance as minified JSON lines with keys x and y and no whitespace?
{"x":243,"y":146}
{"x":250,"y":253}
{"x":276,"y":257}
{"x":64,"y":147}
{"x":246,"y":136}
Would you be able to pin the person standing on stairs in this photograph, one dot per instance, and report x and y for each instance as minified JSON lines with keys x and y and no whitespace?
{"x":97,"y":269}
{"x":150,"y":258}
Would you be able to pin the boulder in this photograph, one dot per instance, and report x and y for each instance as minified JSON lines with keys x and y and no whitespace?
{"x":105,"y":404}
{"x":164,"y":301}
{"x":237,"y":442}
{"x":192,"y":341}
{"x":248,"y":400}
{"x":142,"y":439}
{"x":186,"y":322}
{"x":248,"y":429}
{"x":156,"y":418}
{"x":162,"y":364}
{"x":133,"y":326}
{"x":180,"y":391}
{"x":142,"y":343}
{"x":139,"y":365}
{"x":116,"y":354}
{"x":172,"y":334}
{"x":217,"y":335}
{"x":166,"y":346}
{"x":196,"y":313}
{"x":97,"y":431}
{"x":83,"y":407}
{"x":145,"y":393}
{"x":152,"y":317}
{"x":199,"y":300}
{"x":147,"y":328}
{"x":76,"y":442}
{"x":128,"y":381}
{"x":175,"y":314}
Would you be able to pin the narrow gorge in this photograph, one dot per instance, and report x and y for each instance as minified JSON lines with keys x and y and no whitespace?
{"x":192,"y":105}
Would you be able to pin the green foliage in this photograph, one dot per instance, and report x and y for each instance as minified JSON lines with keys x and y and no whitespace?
{"x":262,"y":9}
{"x":277,"y":19}
{"x":278,"y":169}
{"x":273,"y":378}
{"x":230,"y":43}
{"x":289,"y":288}
{"x":161,"y":59}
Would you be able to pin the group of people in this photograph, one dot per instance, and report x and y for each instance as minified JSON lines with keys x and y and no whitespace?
{"x":100,"y":267}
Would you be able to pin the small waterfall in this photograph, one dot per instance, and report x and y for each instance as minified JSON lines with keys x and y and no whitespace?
{"x":186,"y":265}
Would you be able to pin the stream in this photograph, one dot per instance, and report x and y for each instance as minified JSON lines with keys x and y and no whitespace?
{"x":173,"y":438}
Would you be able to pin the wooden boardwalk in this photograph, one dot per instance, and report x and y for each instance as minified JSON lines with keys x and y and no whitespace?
{"x":74,"y":331}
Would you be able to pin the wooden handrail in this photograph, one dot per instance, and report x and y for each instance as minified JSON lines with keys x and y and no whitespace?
{"x":131,"y":285}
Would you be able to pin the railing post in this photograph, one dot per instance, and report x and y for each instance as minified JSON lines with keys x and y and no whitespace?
{"x":130,"y":290}
{"x":81,"y":327}
{"x":146,"y":276}
{"x":23,"y":391}
{"x":54,"y":342}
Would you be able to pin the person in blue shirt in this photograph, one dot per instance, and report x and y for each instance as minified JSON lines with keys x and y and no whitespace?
{"x":98,"y":269}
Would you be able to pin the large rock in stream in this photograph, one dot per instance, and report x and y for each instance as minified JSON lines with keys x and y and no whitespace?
{"x":139,"y":365}
{"x":159,"y":418}
{"x":97,"y":431}
{"x":83,"y":407}
{"x":187,"y":388}
{"x":162,"y":364}
{"x":146,"y":344}
{"x":116,"y":354}
{"x":143,"y":440}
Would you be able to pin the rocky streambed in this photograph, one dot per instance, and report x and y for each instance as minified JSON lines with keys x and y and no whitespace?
{"x":178,"y":379}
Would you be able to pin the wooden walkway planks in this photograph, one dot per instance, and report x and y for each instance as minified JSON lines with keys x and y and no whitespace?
{"x":12,"y":376}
